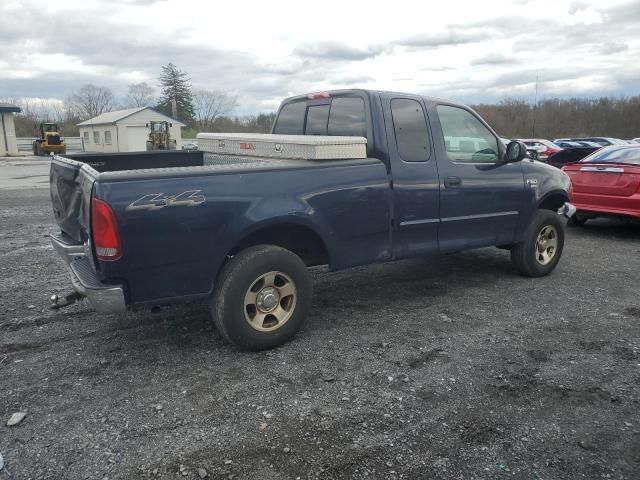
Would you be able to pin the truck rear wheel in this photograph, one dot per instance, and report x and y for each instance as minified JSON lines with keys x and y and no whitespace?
{"x":262,"y":297}
{"x":539,"y":253}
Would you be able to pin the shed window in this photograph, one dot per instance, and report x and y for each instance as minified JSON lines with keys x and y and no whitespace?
{"x":85,"y":136}
{"x":107,"y":137}
{"x":96,"y":138}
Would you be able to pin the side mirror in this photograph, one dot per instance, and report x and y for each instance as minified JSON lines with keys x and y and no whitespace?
{"x":516,"y":151}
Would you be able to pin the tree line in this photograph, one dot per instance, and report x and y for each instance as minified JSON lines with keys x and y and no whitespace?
{"x":206,"y":110}
{"x":617,"y":117}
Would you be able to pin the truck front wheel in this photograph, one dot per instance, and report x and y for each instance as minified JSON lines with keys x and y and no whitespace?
{"x":539,"y":252}
{"x":262,"y":297}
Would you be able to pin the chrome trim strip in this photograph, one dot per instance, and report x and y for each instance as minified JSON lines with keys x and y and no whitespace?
{"x":602,"y":169}
{"x":419,"y":222}
{"x":483,"y":215}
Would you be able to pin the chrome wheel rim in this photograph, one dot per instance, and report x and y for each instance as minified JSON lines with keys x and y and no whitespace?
{"x":546,"y":244}
{"x":270,"y":301}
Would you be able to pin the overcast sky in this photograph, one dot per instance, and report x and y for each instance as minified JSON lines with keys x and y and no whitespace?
{"x":472,"y":50}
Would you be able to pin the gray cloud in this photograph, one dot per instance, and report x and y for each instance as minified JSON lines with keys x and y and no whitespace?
{"x":337,"y":51}
{"x":352,"y":79}
{"x":111,"y":49}
{"x":450,"y":37}
{"x":575,"y":7}
{"x":626,"y":13}
{"x":610,"y":48}
{"x":494,"y":59}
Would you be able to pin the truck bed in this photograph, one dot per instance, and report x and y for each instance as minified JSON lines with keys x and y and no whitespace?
{"x":113,"y":162}
{"x":146,"y":165}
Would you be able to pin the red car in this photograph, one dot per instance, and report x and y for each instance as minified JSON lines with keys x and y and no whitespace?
{"x":606,"y":183}
{"x":545,"y":148}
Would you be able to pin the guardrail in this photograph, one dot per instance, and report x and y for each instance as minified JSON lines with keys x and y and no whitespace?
{"x":74,"y":144}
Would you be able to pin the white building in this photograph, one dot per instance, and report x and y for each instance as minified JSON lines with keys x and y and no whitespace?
{"x":8,"y":144}
{"x":125,"y":130}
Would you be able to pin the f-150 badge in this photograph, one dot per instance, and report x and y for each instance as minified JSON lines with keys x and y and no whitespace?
{"x":156,"y":201}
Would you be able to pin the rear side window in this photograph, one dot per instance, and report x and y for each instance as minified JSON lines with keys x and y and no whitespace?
{"x":291,"y":119}
{"x":317,"y":117}
{"x":347,"y":117}
{"x":410,"y":128}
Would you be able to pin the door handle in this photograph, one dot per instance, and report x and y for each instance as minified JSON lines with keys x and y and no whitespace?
{"x":452,"y":182}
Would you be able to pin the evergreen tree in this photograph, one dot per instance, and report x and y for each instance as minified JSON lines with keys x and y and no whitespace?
{"x":176,"y":85}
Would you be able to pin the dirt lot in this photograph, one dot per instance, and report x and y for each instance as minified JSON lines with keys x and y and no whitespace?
{"x":443,"y":367}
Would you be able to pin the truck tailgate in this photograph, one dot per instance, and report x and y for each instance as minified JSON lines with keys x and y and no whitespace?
{"x":70,"y":189}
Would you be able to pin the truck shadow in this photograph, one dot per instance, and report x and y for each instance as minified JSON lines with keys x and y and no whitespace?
{"x":609,"y":228}
{"x":403,"y":286}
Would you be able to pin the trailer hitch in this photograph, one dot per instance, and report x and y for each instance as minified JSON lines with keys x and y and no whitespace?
{"x":58,"y":302}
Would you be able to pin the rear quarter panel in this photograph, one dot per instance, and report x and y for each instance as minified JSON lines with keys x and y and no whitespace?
{"x":176,"y":251}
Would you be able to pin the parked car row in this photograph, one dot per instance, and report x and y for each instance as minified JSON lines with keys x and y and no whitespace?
{"x":604,"y":172}
{"x":563,"y":151}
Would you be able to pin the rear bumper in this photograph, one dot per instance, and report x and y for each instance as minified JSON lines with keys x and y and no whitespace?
{"x":608,"y":205}
{"x":104,"y":298}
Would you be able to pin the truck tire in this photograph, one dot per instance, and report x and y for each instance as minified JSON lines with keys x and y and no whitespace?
{"x":262,"y":297}
{"x":35,"y":148}
{"x":539,"y":253}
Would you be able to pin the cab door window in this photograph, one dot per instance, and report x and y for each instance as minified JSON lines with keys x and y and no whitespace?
{"x":466,"y":138}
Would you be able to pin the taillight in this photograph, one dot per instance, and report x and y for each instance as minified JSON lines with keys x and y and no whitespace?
{"x":105,"y":231}
{"x":550,"y":150}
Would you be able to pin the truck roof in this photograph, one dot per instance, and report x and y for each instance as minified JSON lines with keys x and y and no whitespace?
{"x":387,"y":93}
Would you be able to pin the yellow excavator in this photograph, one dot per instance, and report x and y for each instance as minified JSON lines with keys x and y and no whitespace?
{"x":160,"y":136}
{"x":48,"y":139}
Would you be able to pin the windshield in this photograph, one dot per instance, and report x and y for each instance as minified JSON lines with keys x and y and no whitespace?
{"x":158,"y":127}
{"x":628,"y":155}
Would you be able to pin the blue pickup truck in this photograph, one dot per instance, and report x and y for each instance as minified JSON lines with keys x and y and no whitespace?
{"x":151,"y":228}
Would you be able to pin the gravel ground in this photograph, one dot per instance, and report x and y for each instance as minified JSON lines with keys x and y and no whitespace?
{"x":440,"y":367}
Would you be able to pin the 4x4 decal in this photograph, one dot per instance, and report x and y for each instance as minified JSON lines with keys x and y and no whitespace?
{"x":156,"y":201}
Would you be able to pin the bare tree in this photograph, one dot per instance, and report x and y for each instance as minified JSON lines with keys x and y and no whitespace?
{"x":209,"y":105}
{"x":91,"y":101}
{"x":140,"y":95}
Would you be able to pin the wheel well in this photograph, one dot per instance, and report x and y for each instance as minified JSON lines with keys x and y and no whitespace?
{"x":553,"y":202}
{"x":299,"y":239}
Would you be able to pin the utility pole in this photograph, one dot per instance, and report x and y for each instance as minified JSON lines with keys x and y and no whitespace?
{"x":174,"y":108}
{"x":535,"y":107}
